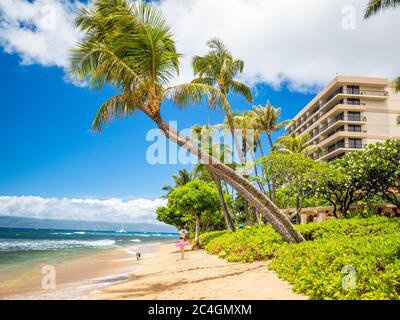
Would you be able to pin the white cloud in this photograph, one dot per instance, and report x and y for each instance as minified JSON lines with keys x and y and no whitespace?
{"x":298,"y":42}
{"x":111,"y":210}
{"x":41,"y":31}
{"x":301,"y":42}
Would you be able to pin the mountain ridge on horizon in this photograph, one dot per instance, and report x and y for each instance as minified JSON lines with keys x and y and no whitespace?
{"x":36,"y":223}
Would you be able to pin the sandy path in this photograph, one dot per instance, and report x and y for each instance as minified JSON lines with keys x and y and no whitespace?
{"x":199,"y":276}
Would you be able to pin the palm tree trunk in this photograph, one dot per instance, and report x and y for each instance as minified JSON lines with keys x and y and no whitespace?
{"x":197,"y":233}
{"x":273,"y":190}
{"x":263,"y":204}
{"x":260,"y":145}
{"x":246,"y":213}
{"x":270,"y":218}
{"x":235,"y":139}
{"x":271,"y":144}
{"x":227,"y":217}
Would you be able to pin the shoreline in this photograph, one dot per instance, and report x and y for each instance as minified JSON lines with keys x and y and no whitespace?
{"x":200,"y":276}
{"x":78,"y":277}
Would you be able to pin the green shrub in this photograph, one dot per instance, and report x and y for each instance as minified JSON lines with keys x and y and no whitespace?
{"x":246,"y":245}
{"x":205,"y":238}
{"x":370,"y":246}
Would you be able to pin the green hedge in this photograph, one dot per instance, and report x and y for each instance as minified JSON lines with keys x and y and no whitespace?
{"x":317,"y":267}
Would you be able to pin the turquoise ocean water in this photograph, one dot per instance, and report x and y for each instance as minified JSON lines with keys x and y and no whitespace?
{"x":21,"y":248}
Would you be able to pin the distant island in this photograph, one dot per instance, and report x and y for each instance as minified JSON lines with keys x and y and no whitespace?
{"x":21,"y":222}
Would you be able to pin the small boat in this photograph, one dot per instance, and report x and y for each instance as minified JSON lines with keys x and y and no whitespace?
{"x":122,"y":230}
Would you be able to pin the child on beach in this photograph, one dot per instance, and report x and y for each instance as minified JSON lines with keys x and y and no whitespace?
{"x":138,"y":256}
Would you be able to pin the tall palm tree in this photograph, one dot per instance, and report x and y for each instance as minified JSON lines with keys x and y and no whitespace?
{"x":183,"y":177}
{"x":243,"y":122}
{"x":219,"y":67}
{"x":128,"y":44}
{"x":375,"y":6}
{"x":266,"y":120}
{"x":219,"y":151}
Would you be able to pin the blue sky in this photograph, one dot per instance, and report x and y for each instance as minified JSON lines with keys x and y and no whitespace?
{"x":48,"y":149}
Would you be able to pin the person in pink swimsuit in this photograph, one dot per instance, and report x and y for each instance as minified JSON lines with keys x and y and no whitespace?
{"x":182,"y":242}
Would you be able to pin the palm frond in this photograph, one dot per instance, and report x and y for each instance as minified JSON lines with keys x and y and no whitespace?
{"x":187,"y":93}
{"x":374,"y":6}
{"x":242,"y":89}
{"x":116,"y":107}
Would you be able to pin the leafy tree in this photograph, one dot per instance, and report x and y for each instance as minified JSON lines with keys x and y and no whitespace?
{"x":296,"y":173}
{"x":339,"y":186}
{"x":167,"y":216}
{"x":183,"y":177}
{"x":128,"y":44}
{"x":193,"y":201}
{"x":377,"y":167}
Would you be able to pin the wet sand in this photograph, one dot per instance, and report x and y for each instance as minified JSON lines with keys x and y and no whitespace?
{"x":199,"y":276}
{"x":77,"y":277}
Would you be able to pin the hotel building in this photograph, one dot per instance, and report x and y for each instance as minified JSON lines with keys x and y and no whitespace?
{"x":348,"y":114}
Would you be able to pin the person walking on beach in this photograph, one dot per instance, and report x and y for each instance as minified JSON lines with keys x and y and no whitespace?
{"x":138,"y":256}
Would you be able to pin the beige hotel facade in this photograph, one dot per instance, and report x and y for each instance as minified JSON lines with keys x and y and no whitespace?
{"x":348,"y":114}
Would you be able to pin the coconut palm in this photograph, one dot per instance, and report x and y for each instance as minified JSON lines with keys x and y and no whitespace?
{"x":183,"y":177}
{"x":266,"y":120}
{"x":374,"y":6}
{"x":203,"y":134}
{"x":128,"y":44}
{"x":296,"y":144}
{"x":219,"y":67}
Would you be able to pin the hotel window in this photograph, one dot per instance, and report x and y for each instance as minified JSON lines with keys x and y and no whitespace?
{"x":354,"y":116}
{"x":339,"y":117}
{"x":340,"y":144}
{"x":355,"y":143}
{"x":353,"y":101}
{"x":353,"y":89}
{"x":354,"y":128}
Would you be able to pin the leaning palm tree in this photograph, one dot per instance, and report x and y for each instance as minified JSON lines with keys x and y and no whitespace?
{"x":128,"y":44}
{"x":219,"y":67}
{"x":375,"y":6}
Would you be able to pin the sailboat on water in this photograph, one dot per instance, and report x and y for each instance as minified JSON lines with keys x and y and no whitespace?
{"x":122,"y":230}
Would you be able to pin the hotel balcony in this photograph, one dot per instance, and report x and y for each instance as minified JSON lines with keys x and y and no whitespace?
{"x":338,"y":149}
{"x":337,"y":123}
{"x":331,"y":102}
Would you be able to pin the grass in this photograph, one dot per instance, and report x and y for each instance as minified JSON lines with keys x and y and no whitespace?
{"x":321,"y":266}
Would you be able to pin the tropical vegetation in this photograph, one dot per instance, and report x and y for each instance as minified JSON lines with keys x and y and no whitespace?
{"x":354,"y":258}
